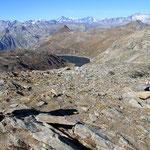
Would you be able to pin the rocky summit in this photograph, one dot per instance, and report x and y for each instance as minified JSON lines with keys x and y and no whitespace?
{"x":94,"y":107}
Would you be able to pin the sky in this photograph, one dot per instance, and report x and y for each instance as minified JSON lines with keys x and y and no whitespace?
{"x":23,"y":10}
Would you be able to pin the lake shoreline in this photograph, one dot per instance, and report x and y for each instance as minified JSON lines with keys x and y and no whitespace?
{"x":77,"y":60}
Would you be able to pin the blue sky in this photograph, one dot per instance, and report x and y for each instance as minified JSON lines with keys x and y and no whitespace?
{"x":51,"y":9}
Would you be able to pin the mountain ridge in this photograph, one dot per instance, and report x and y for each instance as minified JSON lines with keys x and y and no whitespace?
{"x":26,"y":35}
{"x":89,"y":43}
{"x":145,"y":18}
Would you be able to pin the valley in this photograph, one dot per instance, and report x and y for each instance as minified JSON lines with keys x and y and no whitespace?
{"x":75,"y":84}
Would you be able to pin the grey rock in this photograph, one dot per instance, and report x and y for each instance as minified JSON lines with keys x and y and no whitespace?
{"x":31,"y":124}
{"x":129,"y":95}
{"x":2,"y":86}
{"x":28,"y":124}
{"x":54,"y":119}
{"x":125,"y":142}
{"x":2,"y":128}
{"x":25,"y":35}
{"x":18,"y":142}
{"x":92,"y":117}
{"x":13,"y":105}
{"x":146,"y":105}
{"x":53,"y":139}
{"x":141,"y":87}
{"x":134,"y":103}
{"x":41,"y":146}
{"x":12,"y":121}
{"x":41,"y":103}
{"x":16,"y":123}
{"x":101,"y":141}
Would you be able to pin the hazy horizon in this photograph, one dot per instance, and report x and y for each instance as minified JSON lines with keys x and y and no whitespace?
{"x":47,"y":9}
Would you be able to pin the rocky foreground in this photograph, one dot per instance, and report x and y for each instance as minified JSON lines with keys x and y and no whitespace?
{"x":101,"y":107}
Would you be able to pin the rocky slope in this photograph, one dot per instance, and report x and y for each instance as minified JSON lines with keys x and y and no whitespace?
{"x":132,"y":48}
{"x":25,"y":35}
{"x":18,"y":35}
{"x":93,"y":107}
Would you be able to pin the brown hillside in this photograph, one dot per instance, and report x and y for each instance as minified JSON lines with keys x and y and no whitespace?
{"x":89,"y":43}
{"x":132,"y":48}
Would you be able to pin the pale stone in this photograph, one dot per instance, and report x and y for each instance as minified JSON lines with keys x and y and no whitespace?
{"x":134,"y":103}
{"x":54,"y":119}
{"x":41,"y":103}
{"x":143,"y":95}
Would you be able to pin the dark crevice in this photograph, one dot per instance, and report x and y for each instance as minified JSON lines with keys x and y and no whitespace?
{"x":75,"y":142}
{"x":1,"y":117}
{"x":70,"y":139}
{"x":56,"y":125}
{"x":147,"y":89}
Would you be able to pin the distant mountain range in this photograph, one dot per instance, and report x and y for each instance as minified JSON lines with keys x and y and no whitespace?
{"x":25,"y":35}
{"x":145,"y":18}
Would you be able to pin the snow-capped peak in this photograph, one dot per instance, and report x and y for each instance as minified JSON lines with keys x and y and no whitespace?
{"x":37,"y":21}
{"x":76,"y":20}
{"x":145,"y":18}
{"x":142,"y":17}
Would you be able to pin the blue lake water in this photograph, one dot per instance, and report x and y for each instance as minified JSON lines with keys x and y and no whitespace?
{"x":78,"y":61}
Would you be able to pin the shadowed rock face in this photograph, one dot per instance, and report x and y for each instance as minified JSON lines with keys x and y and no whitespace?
{"x":29,"y":60}
{"x":25,"y":35}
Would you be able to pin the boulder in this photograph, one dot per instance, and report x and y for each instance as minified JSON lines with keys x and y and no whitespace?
{"x":53,"y":139}
{"x":92,"y":139}
{"x":28,"y":124}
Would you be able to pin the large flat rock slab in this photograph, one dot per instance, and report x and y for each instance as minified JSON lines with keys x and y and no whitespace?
{"x":54,"y":119}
